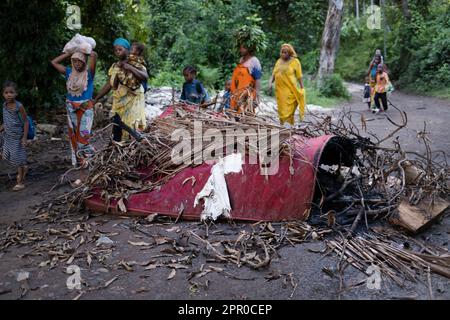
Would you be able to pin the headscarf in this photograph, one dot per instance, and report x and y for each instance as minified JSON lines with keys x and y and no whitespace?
{"x":78,"y":80}
{"x":123,"y":43}
{"x":290,"y":49}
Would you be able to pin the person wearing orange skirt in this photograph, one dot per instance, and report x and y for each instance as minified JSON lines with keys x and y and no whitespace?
{"x":246,"y":82}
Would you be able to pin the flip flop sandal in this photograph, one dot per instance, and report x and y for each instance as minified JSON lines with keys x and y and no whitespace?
{"x":18,"y":187}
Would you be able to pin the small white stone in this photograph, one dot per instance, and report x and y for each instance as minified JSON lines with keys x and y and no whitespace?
{"x":104,"y":240}
{"x":23,"y":275}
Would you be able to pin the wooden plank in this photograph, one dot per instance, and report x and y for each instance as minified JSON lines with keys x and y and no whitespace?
{"x":416,"y":218}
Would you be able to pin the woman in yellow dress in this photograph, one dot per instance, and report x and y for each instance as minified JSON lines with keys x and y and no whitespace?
{"x":289,"y":89}
{"x":128,"y":103}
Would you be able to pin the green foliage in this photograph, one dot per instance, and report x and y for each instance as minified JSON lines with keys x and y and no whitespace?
{"x":418,"y":45}
{"x":350,"y":28}
{"x":315,"y":97}
{"x":104,"y":20}
{"x":195,"y":32}
{"x":167,"y":78}
{"x":251,"y":37}
{"x":210,"y":77}
{"x":358,"y":45}
{"x":135,"y":19}
{"x":101,"y":76}
{"x":29,"y":38}
{"x":202,"y":33}
{"x":299,"y":23}
{"x":310,"y":61}
{"x":34,"y":32}
{"x":430,"y":68}
{"x":333,"y":86}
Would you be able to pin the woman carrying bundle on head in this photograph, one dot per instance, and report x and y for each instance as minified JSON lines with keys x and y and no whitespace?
{"x":246,"y":78}
{"x":79,"y":105}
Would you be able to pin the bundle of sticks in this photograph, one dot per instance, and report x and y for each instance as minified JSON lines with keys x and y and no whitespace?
{"x":370,"y":188}
{"x":116,"y":169}
{"x":390,"y":256}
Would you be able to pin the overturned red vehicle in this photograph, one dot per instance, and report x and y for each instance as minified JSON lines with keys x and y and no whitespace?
{"x":286,"y":195}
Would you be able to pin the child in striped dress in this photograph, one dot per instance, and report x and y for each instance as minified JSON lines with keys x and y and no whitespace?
{"x":15,"y":127}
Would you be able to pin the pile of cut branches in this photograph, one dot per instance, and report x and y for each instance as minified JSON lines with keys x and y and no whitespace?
{"x":371,"y":187}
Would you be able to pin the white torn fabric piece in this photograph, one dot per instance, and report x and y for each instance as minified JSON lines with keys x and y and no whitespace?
{"x":215,"y":192}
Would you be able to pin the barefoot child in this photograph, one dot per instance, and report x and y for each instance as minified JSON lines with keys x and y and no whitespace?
{"x":367,"y":92}
{"x":15,"y":127}
{"x":225,"y":104}
{"x":193,"y":90}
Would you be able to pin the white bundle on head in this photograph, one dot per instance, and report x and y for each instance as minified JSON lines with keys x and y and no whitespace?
{"x":80,"y":43}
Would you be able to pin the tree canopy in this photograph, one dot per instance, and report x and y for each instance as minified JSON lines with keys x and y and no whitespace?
{"x":202,"y":32}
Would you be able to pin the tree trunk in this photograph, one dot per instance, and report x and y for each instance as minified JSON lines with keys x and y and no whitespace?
{"x":330,"y":39}
{"x":357,"y":9}
{"x":384,"y":22}
{"x":405,"y":9}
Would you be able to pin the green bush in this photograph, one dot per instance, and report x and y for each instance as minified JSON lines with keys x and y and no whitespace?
{"x":417,"y":48}
{"x":31,"y":35}
{"x":358,"y":45}
{"x":210,"y":77}
{"x":430,"y":69}
{"x":443,"y":75}
{"x":333,"y":86}
{"x":33,"y":32}
{"x":101,"y":75}
{"x":182,"y":36}
{"x":310,"y":61}
{"x":299,"y":23}
{"x":168,"y":78}
{"x":315,"y":97}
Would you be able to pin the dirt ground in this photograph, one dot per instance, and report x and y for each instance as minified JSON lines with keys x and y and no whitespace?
{"x":117,"y":271}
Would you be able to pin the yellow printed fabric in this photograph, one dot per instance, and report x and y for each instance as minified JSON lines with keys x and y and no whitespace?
{"x":287,"y":89}
{"x":127,"y":103}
